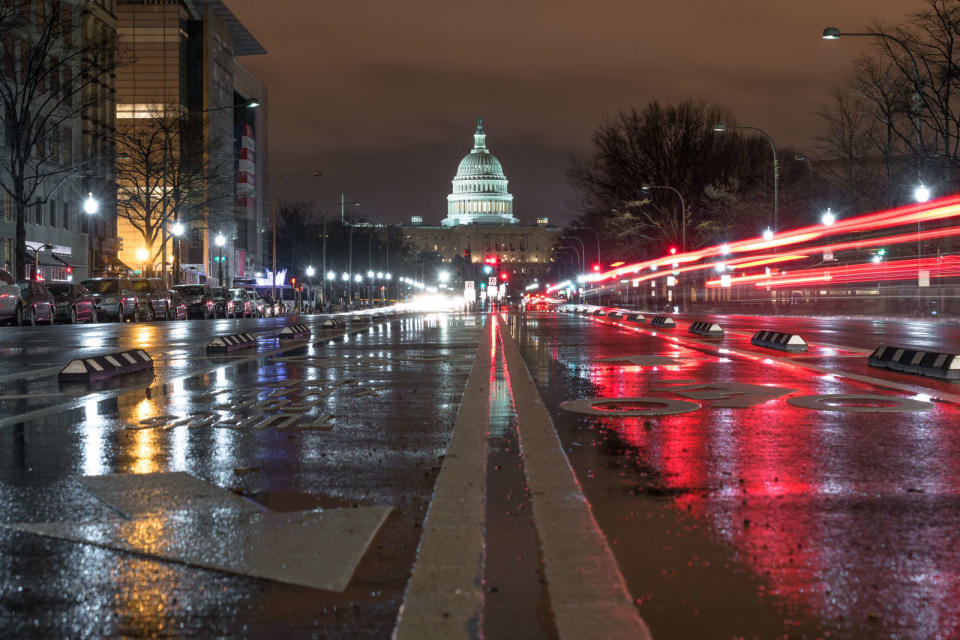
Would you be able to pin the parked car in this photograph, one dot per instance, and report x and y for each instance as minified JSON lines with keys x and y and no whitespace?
{"x":10,"y":308}
{"x":200,"y":300}
{"x":154,"y":299}
{"x":36,"y":302}
{"x":273,"y":306}
{"x":73,"y":302}
{"x":243,"y":304}
{"x":114,"y":298}
{"x":259,"y":306}
{"x":224,"y":302}
{"x":179,"y":309}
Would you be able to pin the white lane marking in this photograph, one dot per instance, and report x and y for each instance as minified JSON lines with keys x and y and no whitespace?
{"x":444,"y":598}
{"x":30,"y":375}
{"x":588,"y":594}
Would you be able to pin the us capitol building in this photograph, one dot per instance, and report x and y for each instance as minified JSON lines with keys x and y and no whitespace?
{"x":480,"y":220}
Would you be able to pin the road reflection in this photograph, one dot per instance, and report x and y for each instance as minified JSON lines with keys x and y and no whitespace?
{"x":850,"y":517}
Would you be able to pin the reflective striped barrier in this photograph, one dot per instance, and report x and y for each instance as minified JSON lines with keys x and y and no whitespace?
{"x":925,"y":363}
{"x":98,"y":368}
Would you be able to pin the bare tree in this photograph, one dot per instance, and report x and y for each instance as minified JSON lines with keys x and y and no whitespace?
{"x":724,"y":179}
{"x":858,"y":143}
{"x":163,"y":176}
{"x":46,"y":69}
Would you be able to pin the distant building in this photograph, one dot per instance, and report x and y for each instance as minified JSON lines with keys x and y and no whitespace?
{"x":480,"y":219}
{"x":65,"y":242}
{"x":184,"y":60}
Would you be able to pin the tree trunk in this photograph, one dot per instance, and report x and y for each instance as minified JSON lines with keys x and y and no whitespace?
{"x":20,"y":270}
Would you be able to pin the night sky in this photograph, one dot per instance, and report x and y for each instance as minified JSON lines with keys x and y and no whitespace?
{"x":382,"y":96}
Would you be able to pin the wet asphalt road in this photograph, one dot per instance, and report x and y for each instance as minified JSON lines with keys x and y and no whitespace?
{"x":764,"y":520}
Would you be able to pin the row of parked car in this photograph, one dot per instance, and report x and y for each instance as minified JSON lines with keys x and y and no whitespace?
{"x":29,"y":302}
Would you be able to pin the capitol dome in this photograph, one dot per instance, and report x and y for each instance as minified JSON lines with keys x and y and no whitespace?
{"x":480,"y":193}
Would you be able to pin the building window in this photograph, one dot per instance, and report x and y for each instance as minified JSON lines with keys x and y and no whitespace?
{"x":67,"y":216}
{"x":52,"y":209}
{"x":8,"y":210}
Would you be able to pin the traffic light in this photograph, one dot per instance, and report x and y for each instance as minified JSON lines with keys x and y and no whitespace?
{"x":673,"y":251}
{"x":293,"y":282}
{"x":504,"y":276}
{"x":493,"y":261}
{"x":596,"y":267}
{"x":466,"y":255}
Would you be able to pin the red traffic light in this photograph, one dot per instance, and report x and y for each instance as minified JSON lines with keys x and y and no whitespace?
{"x":293,"y":282}
{"x":673,"y":250}
{"x":492,"y":260}
{"x":596,"y":267}
{"x":503,"y":276}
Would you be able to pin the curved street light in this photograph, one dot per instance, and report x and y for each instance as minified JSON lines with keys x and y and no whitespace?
{"x":683,"y":211}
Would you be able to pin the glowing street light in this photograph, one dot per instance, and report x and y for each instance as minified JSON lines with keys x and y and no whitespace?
{"x":921,"y":193}
{"x":331,"y":275}
{"x":220,"y":240}
{"x":379,"y":275}
{"x":443,"y":276}
{"x":310,"y":272}
{"x":177,"y":229}
{"x":388,"y":276}
{"x":345,"y":276}
{"x":358,"y":278}
{"x":828,"y":218}
{"x":370,"y":274}
{"x":725,"y":250}
{"x":142,"y":254}
{"x":768,"y":234}
{"x":90,"y":205}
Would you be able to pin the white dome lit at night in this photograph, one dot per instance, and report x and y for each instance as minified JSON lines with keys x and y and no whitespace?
{"x":480,"y":193}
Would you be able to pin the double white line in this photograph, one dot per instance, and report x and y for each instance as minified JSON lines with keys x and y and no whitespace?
{"x":445,"y":595}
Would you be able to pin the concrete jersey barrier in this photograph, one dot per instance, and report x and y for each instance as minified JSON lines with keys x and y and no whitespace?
{"x":780,"y":341}
{"x":295,"y":332}
{"x":231,"y":343}
{"x":934,"y":364}
{"x":333,"y":323}
{"x":98,"y":368}
{"x":703,"y":328}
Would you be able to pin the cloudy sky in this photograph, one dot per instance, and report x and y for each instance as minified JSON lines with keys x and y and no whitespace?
{"x":383,"y":96}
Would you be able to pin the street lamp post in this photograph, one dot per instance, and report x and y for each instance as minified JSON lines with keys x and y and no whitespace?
{"x":142,"y":256}
{"x":683,"y":211}
{"x":177,"y":231}
{"x":310,"y":273}
{"x":832,"y":33}
{"x":721,"y":127}
{"x":595,"y":235}
{"x":323,"y":218}
{"x":220,"y":241}
{"x":276,"y":210}
{"x":583,"y":252}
